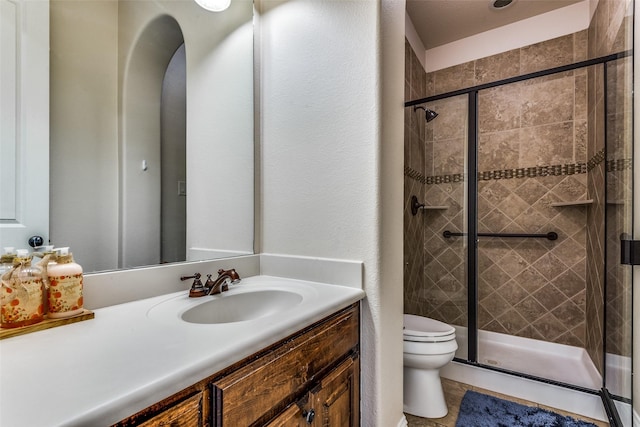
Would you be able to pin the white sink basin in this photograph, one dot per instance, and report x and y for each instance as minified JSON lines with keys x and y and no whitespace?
{"x":228,"y":308}
{"x":252,"y":300}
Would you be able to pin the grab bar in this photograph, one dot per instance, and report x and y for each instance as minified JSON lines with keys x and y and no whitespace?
{"x":552,"y":235}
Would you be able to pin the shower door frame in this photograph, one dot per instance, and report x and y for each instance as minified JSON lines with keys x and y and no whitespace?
{"x":472,"y":220}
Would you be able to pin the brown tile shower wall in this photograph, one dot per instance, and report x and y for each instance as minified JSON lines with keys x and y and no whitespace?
{"x":530,"y":287}
{"x":595,"y":222}
{"x":445,"y":274}
{"x":414,"y":158}
{"x":536,"y":57}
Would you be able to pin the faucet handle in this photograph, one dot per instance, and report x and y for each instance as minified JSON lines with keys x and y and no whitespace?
{"x":209,"y":284}
{"x":197,"y":290}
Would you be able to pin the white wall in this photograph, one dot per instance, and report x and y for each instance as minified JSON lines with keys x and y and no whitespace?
{"x":331,"y":180}
{"x":174,"y":161}
{"x":546,"y":26}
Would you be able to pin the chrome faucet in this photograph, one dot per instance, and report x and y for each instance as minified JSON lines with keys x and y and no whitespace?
{"x":222,"y":282}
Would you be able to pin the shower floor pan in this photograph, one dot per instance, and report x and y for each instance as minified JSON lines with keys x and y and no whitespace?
{"x":557,"y":362}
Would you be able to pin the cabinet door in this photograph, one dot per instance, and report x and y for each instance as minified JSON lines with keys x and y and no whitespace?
{"x":336,"y":401}
{"x":187,"y":413}
{"x":264,"y":387}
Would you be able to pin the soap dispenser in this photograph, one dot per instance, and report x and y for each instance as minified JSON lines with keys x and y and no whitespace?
{"x":65,"y":286}
{"x":22,"y":293}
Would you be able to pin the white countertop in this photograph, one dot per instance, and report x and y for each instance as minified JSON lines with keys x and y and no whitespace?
{"x":99,"y":371}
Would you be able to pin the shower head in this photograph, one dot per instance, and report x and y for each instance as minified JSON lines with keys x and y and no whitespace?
{"x":428,"y":114}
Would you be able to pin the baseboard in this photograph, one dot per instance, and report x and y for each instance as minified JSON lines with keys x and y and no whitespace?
{"x":403,"y":422}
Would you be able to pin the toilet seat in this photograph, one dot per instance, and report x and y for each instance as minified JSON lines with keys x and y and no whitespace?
{"x":423,"y":329}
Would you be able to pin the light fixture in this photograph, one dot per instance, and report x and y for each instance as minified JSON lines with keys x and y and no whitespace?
{"x":214,"y":5}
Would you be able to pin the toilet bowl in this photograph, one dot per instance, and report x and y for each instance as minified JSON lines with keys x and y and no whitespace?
{"x":428,"y":346}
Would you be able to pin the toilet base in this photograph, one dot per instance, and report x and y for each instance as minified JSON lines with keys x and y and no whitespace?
{"x":423,"y":394}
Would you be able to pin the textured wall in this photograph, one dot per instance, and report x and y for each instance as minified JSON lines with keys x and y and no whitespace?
{"x":331,"y":76}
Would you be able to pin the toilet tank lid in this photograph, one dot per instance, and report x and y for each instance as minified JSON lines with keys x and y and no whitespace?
{"x":424,"y":326}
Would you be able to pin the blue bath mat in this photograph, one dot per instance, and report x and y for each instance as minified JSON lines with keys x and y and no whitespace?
{"x":480,"y":410}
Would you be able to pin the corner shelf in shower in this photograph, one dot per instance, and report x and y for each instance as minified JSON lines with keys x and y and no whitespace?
{"x":574,"y":203}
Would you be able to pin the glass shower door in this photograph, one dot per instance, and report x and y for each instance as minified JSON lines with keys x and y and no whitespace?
{"x":445,"y":259}
{"x":619,"y":217}
{"x":533,"y":203}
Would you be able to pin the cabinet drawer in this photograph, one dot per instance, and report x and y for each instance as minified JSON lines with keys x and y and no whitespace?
{"x":265,"y":385}
{"x":187,"y":413}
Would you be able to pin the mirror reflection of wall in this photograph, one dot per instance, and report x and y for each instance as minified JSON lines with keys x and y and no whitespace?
{"x":117,"y":183}
{"x":173,"y":161}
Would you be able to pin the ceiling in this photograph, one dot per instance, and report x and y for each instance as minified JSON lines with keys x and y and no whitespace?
{"x":439,"y":22}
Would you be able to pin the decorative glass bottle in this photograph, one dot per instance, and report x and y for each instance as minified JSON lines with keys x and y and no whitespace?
{"x":65,"y":286}
{"x":22,"y":293}
{"x":6,"y":260}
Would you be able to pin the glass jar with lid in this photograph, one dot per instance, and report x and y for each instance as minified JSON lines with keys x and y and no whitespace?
{"x":22,"y":293}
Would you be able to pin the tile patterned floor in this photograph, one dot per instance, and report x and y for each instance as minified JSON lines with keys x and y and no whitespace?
{"x":454,"y":391}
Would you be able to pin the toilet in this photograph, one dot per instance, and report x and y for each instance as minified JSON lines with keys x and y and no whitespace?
{"x":428,"y":346}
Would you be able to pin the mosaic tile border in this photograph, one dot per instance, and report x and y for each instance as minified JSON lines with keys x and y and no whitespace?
{"x":619,"y":165}
{"x":535,"y":171}
{"x":596,"y":160}
{"x":530,"y":172}
{"x":414,"y":174}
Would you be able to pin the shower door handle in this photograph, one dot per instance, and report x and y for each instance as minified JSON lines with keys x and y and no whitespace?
{"x":629,"y":250}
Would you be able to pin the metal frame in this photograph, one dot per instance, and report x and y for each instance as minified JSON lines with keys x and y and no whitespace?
{"x":552,"y":235}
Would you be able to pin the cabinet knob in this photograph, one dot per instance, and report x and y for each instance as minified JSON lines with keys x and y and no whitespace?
{"x":309,"y":416}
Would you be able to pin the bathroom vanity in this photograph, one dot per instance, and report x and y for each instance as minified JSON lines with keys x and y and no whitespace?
{"x":142,"y":363}
{"x":309,"y":378}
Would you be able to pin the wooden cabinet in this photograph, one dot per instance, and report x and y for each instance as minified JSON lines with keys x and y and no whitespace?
{"x":311,"y":378}
{"x":333,"y":402}
{"x":293,"y":416}
{"x":188,"y":413}
{"x":336,"y":401}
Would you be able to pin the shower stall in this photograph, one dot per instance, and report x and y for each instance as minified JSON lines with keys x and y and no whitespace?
{"x":524,"y":206}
